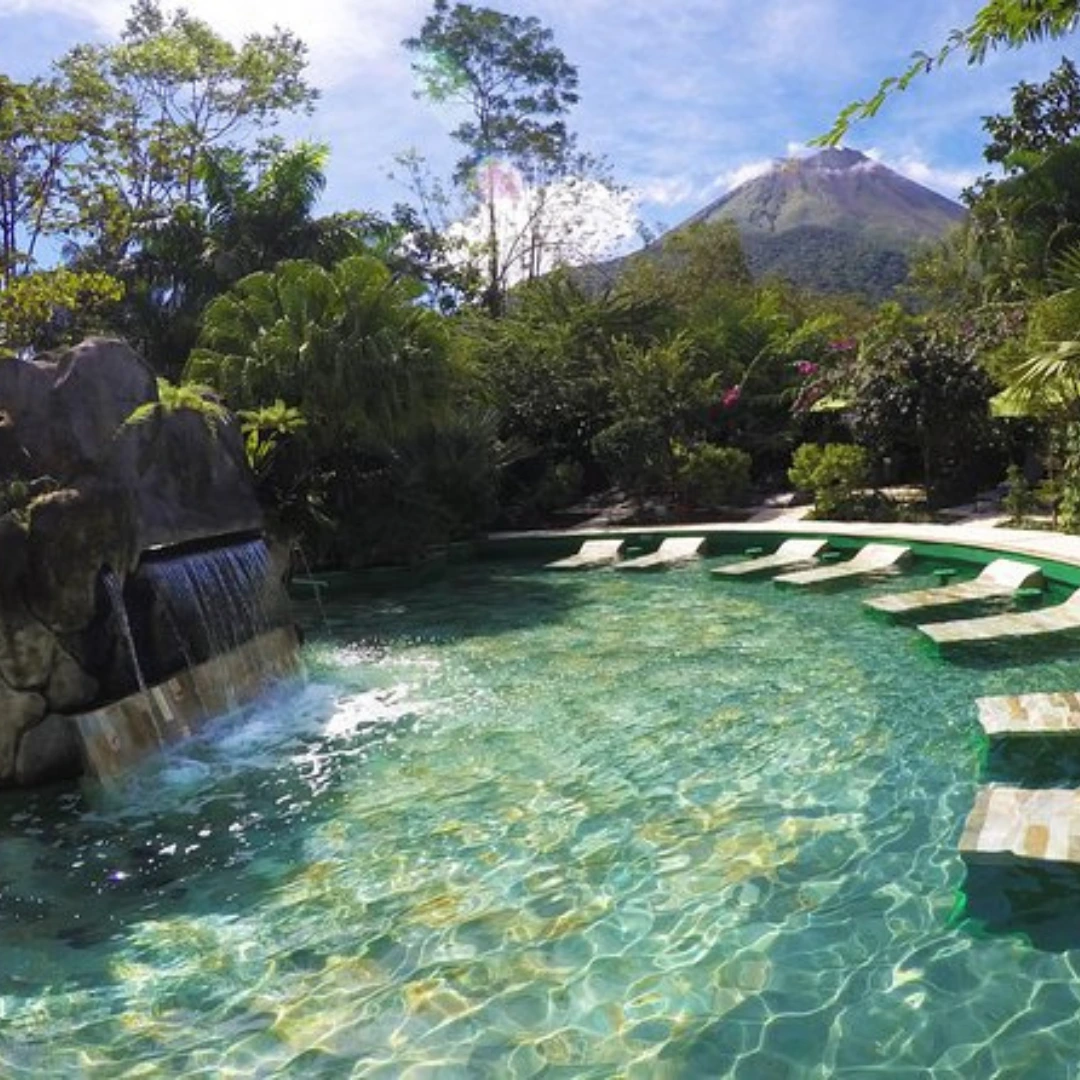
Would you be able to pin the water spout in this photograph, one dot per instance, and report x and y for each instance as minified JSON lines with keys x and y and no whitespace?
{"x":115,"y":592}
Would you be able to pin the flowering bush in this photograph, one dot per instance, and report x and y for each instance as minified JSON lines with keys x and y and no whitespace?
{"x":730,"y":398}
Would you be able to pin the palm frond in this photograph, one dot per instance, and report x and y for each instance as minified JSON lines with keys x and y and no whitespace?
{"x":1065,"y":272}
{"x":1045,"y":384}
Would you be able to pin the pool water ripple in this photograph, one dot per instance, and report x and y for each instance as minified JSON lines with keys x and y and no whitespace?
{"x":520,"y":825}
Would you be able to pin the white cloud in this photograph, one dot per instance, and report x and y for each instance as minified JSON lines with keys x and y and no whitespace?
{"x":667,"y":191}
{"x":106,"y":14}
{"x":569,"y":223}
{"x":731,"y":179}
{"x":947,"y":180}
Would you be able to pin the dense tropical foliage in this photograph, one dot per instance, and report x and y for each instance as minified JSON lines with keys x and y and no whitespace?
{"x":404,"y":382}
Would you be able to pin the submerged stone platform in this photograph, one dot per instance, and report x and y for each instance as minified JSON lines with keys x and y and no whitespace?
{"x":117,"y":736}
{"x":1009,"y":822}
{"x":1030,"y":714}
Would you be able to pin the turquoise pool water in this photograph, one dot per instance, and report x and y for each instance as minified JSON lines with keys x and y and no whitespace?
{"x":522,"y":824}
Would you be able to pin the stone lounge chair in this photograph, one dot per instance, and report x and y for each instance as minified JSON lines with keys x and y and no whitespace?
{"x":592,"y":553}
{"x":1022,"y":624}
{"x":789,"y":555}
{"x":868,"y":560}
{"x":671,"y":552}
{"x":998,"y":581}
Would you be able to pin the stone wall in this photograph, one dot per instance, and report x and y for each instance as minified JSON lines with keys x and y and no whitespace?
{"x":84,"y":490}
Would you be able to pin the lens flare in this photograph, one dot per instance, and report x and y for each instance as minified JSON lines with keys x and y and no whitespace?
{"x":496,"y":180}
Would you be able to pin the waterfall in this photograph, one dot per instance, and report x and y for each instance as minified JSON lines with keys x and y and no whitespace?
{"x":215,"y":600}
{"x":115,"y":591}
{"x":213,"y":632}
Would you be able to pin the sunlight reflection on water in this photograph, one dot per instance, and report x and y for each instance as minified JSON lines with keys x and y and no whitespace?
{"x":519,"y":823}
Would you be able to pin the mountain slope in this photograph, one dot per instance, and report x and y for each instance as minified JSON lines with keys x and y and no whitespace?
{"x":840,"y":189}
{"x":834,"y":222}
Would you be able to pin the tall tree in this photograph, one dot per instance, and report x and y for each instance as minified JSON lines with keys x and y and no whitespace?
{"x":168,"y":92}
{"x":40,"y":134}
{"x":348,"y":346}
{"x":390,"y":456}
{"x":1043,"y":117}
{"x":516,"y":86}
{"x":1020,"y":225}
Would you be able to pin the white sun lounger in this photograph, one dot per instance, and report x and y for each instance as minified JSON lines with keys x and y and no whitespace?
{"x":868,"y":560}
{"x":789,"y":555}
{"x":592,"y":553}
{"x":1022,"y":624}
{"x":998,"y":581}
{"x":671,"y":552}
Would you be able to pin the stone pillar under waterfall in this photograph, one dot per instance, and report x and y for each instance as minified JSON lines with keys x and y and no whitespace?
{"x":131,"y":555}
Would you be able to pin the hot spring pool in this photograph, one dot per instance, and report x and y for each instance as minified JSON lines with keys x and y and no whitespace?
{"x":523,"y":824}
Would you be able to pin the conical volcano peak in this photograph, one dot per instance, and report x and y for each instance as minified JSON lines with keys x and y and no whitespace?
{"x":835,"y":159}
{"x":837,"y":221}
{"x":837,"y":189}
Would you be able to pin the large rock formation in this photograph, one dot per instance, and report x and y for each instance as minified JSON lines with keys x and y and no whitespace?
{"x":85,"y":491}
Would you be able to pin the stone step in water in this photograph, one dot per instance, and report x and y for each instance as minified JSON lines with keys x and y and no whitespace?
{"x":1041,"y":824}
{"x":1030,"y":714}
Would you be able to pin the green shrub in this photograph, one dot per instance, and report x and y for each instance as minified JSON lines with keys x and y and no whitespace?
{"x":1020,"y":499}
{"x":709,"y":475}
{"x":834,"y":474}
{"x":559,"y":486}
{"x":636,"y":454}
{"x":1069,"y":480}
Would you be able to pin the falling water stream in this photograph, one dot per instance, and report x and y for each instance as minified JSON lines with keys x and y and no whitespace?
{"x":215,"y":600}
{"x":115,"y":591}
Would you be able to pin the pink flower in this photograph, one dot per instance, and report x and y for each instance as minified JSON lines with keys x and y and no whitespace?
{"x":806,"y":367}
{"x":731,"y":397}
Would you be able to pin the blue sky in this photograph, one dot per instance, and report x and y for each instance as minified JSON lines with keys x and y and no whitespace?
{"x":684,"y":97}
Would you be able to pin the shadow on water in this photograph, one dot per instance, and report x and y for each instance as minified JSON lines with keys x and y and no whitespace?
{"x":1013,"y":652}
{"x":469,"y":600}
{"x":967,"y":609}
{"x":1040,"y":761}
{"x":1037,"y":901}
